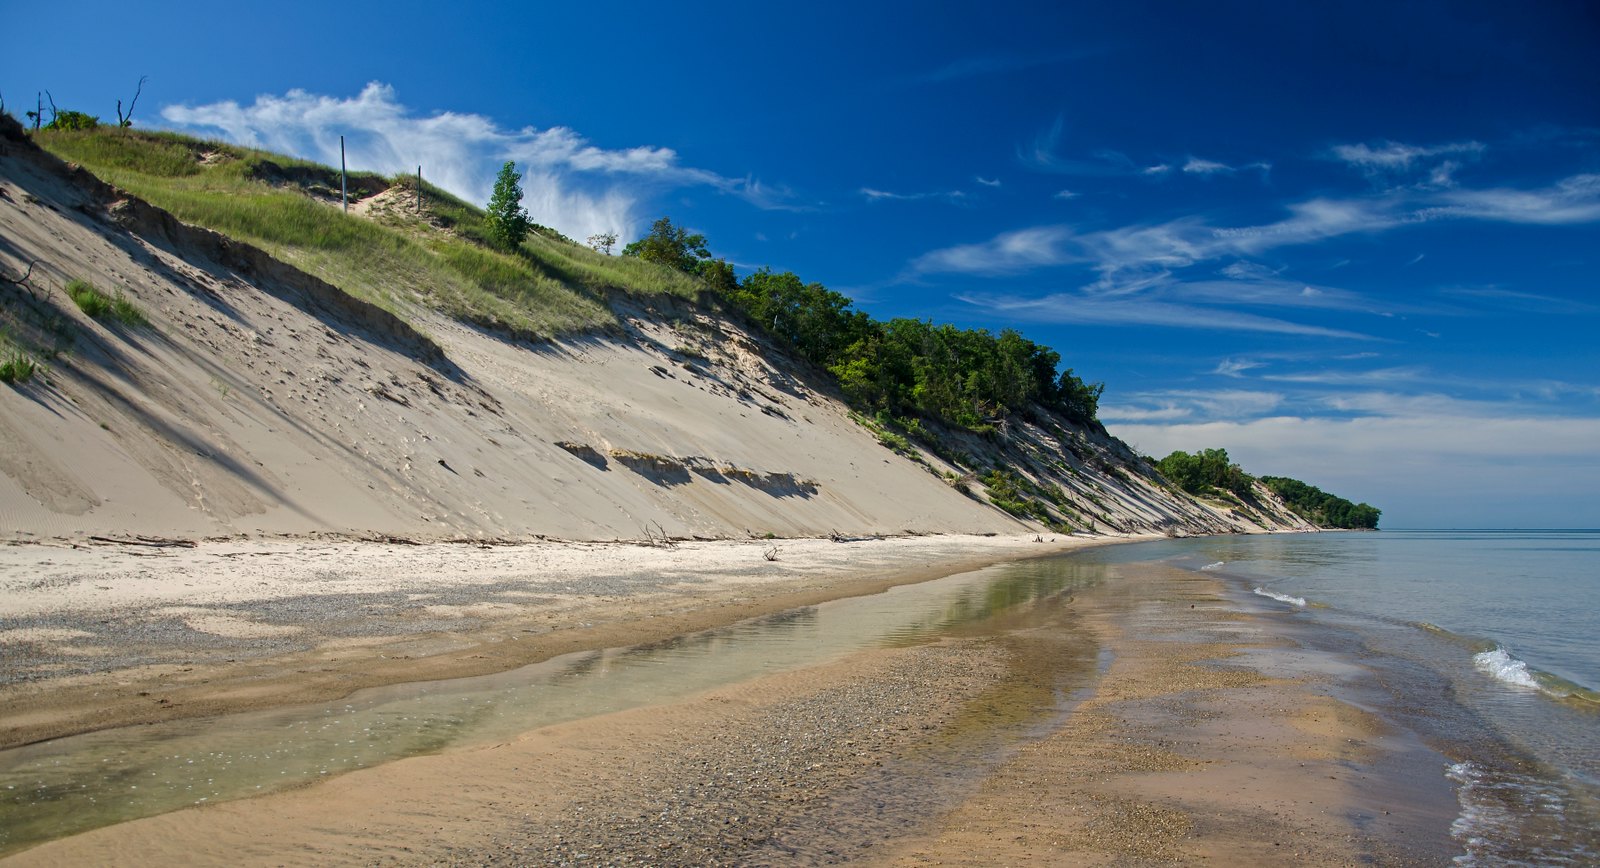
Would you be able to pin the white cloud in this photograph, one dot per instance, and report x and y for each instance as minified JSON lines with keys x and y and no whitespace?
{"x":1237,"y":367}
{"x":987,"y":182}
{"x":1571,"y":200}
{"x":1066,"y":194}
{"x":875,"y":195}
{"x":1007,"y":252}
{"x":1394,"y":156}
{"x":1201,"y":166}
{"x":1093,"y":309}
{"x":1197,"y":166}
{"x":1157,"y":169}
{"x":1138,"y":250}
{"x":1191,"y":404}
{"x":569,"y":183}
{"x":1443,"y":175}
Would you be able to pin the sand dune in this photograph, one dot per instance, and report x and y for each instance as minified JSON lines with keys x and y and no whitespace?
{"x":261,"y":400}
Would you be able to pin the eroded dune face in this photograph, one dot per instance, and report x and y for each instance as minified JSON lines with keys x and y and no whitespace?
{"x":260,"y":399}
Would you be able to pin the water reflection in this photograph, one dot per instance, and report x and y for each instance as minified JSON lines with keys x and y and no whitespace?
{"x":59,"y":788}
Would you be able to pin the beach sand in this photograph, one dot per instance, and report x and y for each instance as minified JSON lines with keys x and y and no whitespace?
{"x":108,"y":635}
{"x":1196,"y":735}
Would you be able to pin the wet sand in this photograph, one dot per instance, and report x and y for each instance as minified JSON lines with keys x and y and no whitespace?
{"x":100,"y":636}
{"x":1193,"y":745}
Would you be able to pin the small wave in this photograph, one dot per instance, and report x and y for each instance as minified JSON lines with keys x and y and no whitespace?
{"x":1216,"y":566}
{"x":1282,"y":598}
{"x":1512,"y":819}
{"x":1500,"y":665}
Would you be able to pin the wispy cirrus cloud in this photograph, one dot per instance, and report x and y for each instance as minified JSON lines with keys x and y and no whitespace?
{"x":875,"y":195}
{"x":1395,"y":156}
{"x":1006,"y":253}
{"x":569,"y":182}
{"x":1204,"y":167}
{"x":1081,"y":308}
{"x":1147,"y":274}
{"x":1192,"y":404}
{"x":1187,"y":241}
{"x":1198,"y":166}
{"x":1496,"y":298}
{"x":1570,"y":200}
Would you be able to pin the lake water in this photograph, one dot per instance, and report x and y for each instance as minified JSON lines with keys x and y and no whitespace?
{"x":1486,"y":644}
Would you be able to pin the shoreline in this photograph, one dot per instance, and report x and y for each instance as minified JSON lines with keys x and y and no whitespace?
{"x":1190,"y":741}
{"x":110,"y":635}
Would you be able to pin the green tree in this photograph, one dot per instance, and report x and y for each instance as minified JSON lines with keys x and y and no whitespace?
{"x":672,"y":246}
{"x":718,"y":275}
{"x":71,"y":120}
{"x":1206,"y":472}
{"x":506,"y":221}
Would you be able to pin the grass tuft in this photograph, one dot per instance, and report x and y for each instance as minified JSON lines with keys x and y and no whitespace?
{"x":17,"y":367}
{"x":116,"y":308}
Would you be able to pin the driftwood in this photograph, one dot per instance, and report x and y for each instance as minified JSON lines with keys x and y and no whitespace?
{"x":148,"y":541}
{"x":657,"y":536}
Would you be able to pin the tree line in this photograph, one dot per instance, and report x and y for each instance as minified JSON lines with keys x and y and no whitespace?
{"x":1322,"y":508}
{"x":1209,"y":472}
{"x":969,"y":378}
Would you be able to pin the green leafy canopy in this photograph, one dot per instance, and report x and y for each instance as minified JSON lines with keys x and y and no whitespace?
{"x":506,"y":221}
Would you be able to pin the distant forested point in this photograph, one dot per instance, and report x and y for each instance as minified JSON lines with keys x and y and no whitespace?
{"x":1210,"y":473}
{"x":1320,"y":507}
{"x":968,"y":378}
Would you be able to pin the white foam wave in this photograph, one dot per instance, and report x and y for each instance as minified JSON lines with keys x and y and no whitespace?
{"x":1500,"y":665}
{"x":1216,"y":566}
{"x":1498,"y":812}
{"x":1282,"y":598}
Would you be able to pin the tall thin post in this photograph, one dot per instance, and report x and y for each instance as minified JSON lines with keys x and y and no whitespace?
{"x":344,"y":190}
{"x":419,"y":189}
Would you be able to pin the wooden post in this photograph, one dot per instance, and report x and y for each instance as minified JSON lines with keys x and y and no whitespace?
{"x":419,"y":189}
{"x":344,"y":190}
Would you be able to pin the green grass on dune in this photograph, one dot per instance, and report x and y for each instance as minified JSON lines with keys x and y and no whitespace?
{"x":398,"y":260}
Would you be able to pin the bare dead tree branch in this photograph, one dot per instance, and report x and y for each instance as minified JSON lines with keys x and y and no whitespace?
{"x":53,"y":111}
{"x":657,"y":536}
{"x":125,"y":122}
{"x":23,"y":280}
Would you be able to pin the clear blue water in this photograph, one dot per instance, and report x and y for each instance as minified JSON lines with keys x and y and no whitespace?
{"x":1535,"y":594}
{"x":1486,"y":643}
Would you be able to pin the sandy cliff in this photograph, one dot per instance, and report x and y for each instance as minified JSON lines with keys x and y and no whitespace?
{"x":261,"y":400}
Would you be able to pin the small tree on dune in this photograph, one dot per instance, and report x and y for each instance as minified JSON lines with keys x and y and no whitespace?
{"x":506,"y":220}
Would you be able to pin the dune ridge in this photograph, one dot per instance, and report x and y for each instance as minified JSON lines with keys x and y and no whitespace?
{"x":262,"y":401}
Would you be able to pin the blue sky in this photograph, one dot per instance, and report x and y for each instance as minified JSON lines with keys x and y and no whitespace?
{"x":1349,"y":243}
